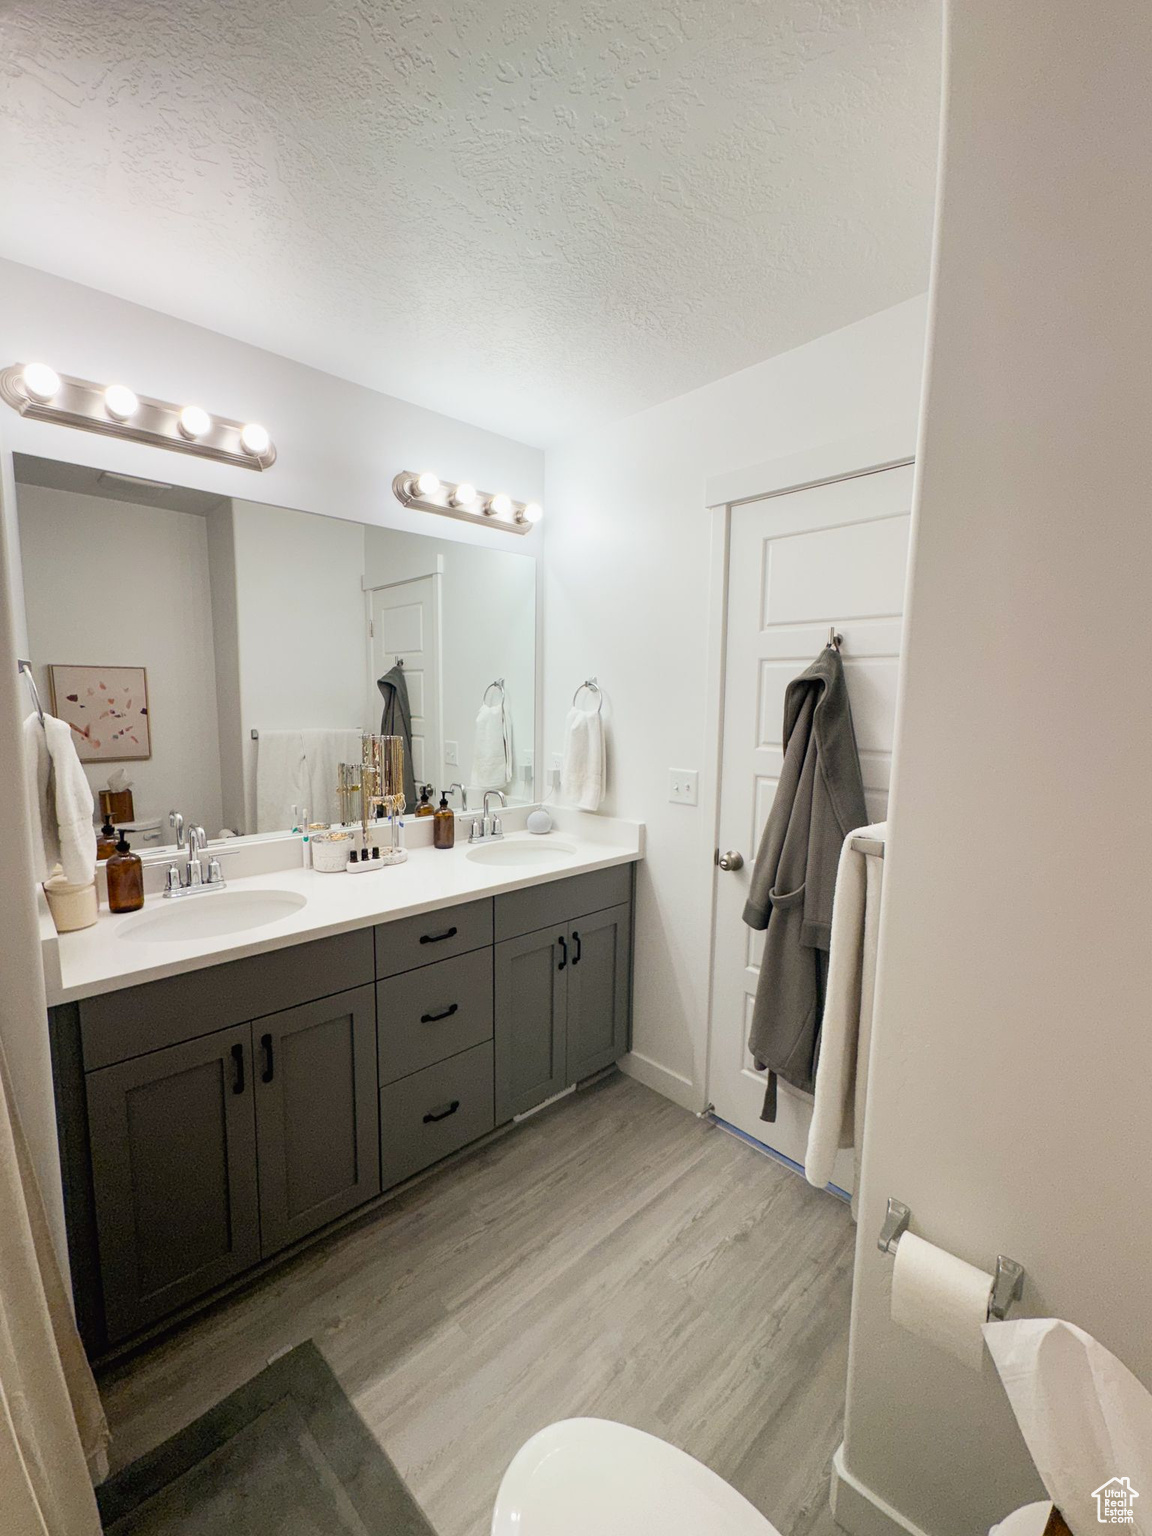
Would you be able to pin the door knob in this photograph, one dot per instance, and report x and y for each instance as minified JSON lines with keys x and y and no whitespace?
{"x":731,"y":860}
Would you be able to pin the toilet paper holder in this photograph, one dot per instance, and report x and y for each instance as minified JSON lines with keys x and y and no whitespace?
{"x":1007,"y":1285}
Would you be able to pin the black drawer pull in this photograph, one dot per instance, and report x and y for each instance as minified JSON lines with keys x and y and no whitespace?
{"x":238,"y":1069}
{"x":269,"y":1064}
{"x":579,"y":948}
{"x":445,"y":1013}
{"x":563,"y":943}
{"x":442,"y":1114}
{"x":436,"y":938}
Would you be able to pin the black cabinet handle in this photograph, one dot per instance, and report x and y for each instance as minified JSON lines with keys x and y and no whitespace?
{"x":445,"y":1013}
{"x":442,"y":1114}
{"x":563,"y":943}
{"x":579,"y":948}
{"x":237,"y":1069}
{"x":269,"y":1064}
{"x":436,"y":938}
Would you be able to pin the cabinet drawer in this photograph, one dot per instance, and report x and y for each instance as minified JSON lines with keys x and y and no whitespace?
{"x":119,"y":1025}
{"x":432,"y":1113}
{"x":543,"y":906}
{"x":433,"y":936}
{"x":433,"y":1012}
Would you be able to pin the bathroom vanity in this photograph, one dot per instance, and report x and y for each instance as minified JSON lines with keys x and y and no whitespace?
{"x":223,"y":1099}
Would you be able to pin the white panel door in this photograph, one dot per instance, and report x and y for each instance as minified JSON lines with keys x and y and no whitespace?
{"x":798,"y":563}
{"x":406,"y":628}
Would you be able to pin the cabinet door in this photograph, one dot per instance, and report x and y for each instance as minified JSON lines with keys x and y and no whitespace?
{"x":530,"y":992}
{"x":599,"y":973}
{"x":174,"y":1174}
{"x":316,"y":1114}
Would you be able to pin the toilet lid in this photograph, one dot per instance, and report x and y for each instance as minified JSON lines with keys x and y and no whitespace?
{"x":591,"y":1477}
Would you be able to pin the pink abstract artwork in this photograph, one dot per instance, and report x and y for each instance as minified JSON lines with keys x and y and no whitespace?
{"x":107,"y":708}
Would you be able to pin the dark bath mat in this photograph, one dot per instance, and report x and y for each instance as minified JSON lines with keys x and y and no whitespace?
{"x":286,"y":1455}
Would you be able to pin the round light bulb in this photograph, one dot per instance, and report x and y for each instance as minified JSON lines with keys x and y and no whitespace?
{"x":532,"y":513}
{"x":120,"y":402}
{"x":427,"y":484}
{"x":41,"y":382}
{"x":254,"y":439}
{"x":499,"y":505}
{"x":464,"y":494}
{"x":194,"y":422}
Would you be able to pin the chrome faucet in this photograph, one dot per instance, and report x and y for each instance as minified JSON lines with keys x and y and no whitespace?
{"x":194,"y":877}
{"x":176,"y":821}
{"x":463,"y":795}
{"x":490,"y":825}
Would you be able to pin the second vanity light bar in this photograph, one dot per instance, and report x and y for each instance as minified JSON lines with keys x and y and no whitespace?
{"x":428,"y":492}
{"x":40,"y":392}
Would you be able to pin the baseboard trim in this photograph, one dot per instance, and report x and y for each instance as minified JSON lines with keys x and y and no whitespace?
{"x":859,"y":1511}
{"x":671,"y":1084}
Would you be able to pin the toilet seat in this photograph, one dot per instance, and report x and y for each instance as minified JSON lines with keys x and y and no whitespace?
{"x":592,"y":1477}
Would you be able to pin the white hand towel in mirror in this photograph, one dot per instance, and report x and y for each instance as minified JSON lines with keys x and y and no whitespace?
{"x":60,"y":803}
{"x":281,"y":779}
{"x":583,"y":766}
{"x":492,"y":747}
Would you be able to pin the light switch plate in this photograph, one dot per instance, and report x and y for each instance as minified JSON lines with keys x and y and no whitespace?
{"x":452,"y":754}
{"x":683,"y":786}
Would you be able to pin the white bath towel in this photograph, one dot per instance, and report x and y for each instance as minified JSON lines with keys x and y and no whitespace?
{"x":583,"y":767}
{"x":842,"y":1068}
{"x":60,"y":802}
{"x":281,"y":779}
{"x":322,"y":751}
{"x":492,"y":747}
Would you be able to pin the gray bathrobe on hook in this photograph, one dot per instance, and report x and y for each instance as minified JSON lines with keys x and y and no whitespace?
{"x":396,"y":720}
{"x":819,"y":800}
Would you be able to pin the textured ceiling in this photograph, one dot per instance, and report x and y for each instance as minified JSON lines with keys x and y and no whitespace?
{"x":526,"y":215}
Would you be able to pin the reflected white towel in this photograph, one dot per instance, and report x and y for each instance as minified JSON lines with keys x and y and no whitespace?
{"x":583,"y":771}
{"x":842,"y":1068}
{"x":492,"y":747}
{"x":322,"y":751}
{"x":281,"y":779}
{"x":60,"y":802}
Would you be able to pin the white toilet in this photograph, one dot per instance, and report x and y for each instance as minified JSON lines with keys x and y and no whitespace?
{"x":590,"y":1477}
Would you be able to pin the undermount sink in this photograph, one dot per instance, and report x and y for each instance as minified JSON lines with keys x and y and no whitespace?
{"x":209,"y":914}
{"x":540,"y":852}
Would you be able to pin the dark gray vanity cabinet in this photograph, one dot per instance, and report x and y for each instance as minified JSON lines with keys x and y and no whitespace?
{"x":211,"y":1120}
{"x":316,"y":1128}
{"x":531,"y":1023}
{"x":173,"y":1137}
{"x":562,"y":991}
{"x":599,"y":970}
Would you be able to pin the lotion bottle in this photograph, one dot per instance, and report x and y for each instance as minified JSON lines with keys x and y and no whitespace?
{"x":443,"y":823}
{"x":125,"y":879}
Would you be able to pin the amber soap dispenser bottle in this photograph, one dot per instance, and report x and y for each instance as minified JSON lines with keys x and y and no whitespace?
{"x":125,"y":879}
{"x":443,"y":824}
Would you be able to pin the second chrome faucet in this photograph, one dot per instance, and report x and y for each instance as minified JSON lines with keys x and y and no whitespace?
{"x":487,"y":825}
{"x":193,"y":877}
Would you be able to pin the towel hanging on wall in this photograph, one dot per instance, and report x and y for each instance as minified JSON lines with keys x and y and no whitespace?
{"x":492,"y":741}
{"x":584,"y":764}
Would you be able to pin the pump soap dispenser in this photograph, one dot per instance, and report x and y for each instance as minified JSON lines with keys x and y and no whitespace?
{"x":443,"y":823}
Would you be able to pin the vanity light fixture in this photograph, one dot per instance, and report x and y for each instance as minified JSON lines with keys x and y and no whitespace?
{"x":120,"y":402}
{"x":40,"y":382}
{"x":492,"y":508}
{"x":39,"y":392}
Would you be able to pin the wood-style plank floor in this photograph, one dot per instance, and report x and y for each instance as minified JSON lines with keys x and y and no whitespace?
{"x":612,"y":1256}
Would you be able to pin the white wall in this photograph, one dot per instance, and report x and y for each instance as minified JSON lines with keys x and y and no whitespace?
{"x":301,"y":634}
{"x":116,"y":583}
{"x":488,"y":630}
{"x":1010,"y":1102}
{"x":626,"y":599}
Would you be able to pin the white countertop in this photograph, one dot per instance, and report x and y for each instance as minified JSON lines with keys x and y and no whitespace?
{"x":105,"y":959}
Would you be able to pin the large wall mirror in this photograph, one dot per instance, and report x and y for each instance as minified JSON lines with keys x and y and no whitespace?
{"x":221,"y":657}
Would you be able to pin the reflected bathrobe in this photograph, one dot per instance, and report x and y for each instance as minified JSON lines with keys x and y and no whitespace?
{"x":819,"y":800}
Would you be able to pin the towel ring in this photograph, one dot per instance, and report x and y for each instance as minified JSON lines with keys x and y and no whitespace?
{"x":499,"y":683}
{"x":593,"y":687}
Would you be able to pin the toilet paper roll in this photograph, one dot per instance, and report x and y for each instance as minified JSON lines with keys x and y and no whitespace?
{"x":940,"y":1298}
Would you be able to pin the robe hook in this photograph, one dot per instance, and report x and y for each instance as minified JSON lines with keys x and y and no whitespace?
{"x":835,"y":640}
